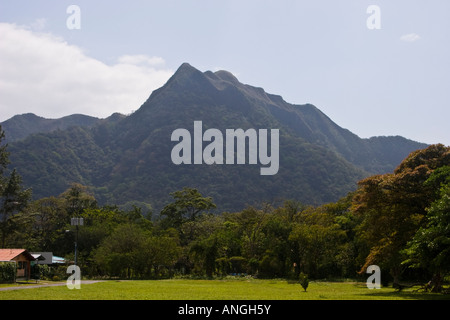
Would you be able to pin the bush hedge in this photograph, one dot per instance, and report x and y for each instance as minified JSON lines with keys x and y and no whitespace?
{"x":7,"y":272}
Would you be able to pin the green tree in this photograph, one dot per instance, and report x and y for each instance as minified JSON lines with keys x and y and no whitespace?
{"x":205,"y":251}
{"x":77,"y":199}
{"x":315,"y":241}
{"x":117,"y":253}
{"x":3,"y":154}
{"x":430,"y":246}
{"x":13,"y":200}
{"x":251,"y":222}
{"x":347,"y":258}
{"x":188,"y":206}
{"x":161,"y":251}
{"x":277,"y":260}
{"x":131,"y":252}
{"x":48,"y":220}
{"x":393,"y":207}
{"x":303,"y":279}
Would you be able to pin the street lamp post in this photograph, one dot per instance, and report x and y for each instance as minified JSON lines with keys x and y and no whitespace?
{"x":76,"y":222}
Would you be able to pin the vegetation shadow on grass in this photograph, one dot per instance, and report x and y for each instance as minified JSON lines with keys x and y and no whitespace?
{"x":410,"y":294}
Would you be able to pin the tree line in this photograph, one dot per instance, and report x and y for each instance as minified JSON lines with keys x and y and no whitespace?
{"x":398,"y":221}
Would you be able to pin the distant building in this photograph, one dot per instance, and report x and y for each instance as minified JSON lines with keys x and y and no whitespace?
{"x":47,"y":258}
{"x":43,"y":257}
{"x":22,"y":258}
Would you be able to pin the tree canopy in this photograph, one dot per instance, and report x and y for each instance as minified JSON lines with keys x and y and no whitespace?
{"x":394,"y":207}
{"x":398,"y":221}
{"x":13,"y":198}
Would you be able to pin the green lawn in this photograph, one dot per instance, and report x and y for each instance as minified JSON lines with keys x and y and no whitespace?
{"x":252,"y":289}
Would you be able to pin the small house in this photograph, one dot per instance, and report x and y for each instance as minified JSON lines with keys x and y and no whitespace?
{"x":21,"y":257}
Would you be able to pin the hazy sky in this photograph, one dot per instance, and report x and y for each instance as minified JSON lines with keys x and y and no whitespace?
{"x":390,"y":79}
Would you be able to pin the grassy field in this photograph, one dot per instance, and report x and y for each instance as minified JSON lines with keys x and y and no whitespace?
{"x":215,"y":290}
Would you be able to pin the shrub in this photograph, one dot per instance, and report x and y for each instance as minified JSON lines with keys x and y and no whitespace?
{"x":7,"y":272}
{"x":303,"y":279}
{"x":43,"y":271}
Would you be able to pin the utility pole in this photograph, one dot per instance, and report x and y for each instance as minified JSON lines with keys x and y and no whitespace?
{"x":76,"y":222}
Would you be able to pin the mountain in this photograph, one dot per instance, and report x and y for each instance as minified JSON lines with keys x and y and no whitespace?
{"x":21,"y":126}
{"x":130,"y":159}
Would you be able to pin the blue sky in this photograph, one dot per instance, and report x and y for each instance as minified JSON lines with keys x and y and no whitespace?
{"x":389,"y":81}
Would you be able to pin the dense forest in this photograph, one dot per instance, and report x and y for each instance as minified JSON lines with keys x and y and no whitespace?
{"x":398,"y":221}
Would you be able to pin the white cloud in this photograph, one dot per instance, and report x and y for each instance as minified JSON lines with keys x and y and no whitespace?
{"x":410,"y":37}
{"x":45,"y":75}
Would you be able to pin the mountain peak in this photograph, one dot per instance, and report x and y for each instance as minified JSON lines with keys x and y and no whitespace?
{"x":226,"y":76}
{"x":185,"y":70}
{"x":186,"y":65}
{"x":185,"y":74}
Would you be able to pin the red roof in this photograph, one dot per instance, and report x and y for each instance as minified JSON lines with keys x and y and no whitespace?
{"x":9,"y":254}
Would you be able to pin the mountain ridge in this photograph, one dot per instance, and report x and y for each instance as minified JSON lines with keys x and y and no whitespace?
{"x":22,"y":125}
{"x":129,"y":159}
